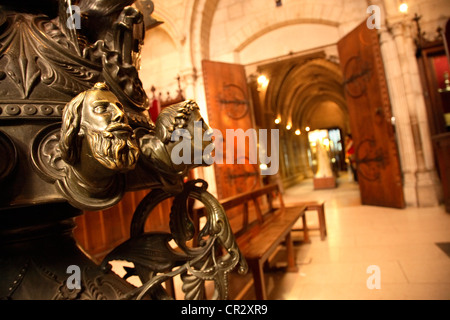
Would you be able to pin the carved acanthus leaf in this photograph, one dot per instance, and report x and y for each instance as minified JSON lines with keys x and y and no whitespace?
{"x":65,"y":75}
{"x":19,"y":51}
{"x":32,"y":50}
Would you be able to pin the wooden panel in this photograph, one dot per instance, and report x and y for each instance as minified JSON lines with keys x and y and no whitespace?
{"x":229,"y":107}
{"x":442,"y":146}
{"x":98,"y":232}
{"x":430,"y":84}
{"x":379,"y":174}
{"x":262,"y":239}
{"x":434,"y":59}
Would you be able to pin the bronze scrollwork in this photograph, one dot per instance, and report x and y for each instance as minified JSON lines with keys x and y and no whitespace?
{"x":155,"y":264}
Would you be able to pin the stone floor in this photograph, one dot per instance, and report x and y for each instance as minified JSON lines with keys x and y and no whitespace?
{"x":403,"y":245}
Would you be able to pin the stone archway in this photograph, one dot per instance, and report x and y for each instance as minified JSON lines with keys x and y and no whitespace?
{"x":300,"y":90}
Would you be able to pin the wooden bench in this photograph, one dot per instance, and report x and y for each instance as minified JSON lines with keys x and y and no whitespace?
{"x":318,"y":206}
{"x":258,"y":238}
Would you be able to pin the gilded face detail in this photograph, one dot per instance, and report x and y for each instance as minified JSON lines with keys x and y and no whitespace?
{"x":100,"y":109}
{"x":107,"y":131}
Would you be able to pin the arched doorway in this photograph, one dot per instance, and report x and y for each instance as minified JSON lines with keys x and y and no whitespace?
{"x":310,"y":90}
{"x":303,"y":94}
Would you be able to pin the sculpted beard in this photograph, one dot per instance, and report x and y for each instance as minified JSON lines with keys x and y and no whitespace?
{"x":113,"y":151}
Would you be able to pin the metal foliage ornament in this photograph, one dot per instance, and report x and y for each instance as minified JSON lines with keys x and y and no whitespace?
{"x":156,"y":261}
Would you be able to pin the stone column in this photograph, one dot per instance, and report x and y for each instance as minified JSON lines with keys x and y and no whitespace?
{"x":401,"y":113}
{"x":429,"y":188}
{"x":425,"y":188}
{"x":189,"y":78}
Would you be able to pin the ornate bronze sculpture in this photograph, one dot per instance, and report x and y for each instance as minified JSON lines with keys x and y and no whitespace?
{"x":75,"y":134}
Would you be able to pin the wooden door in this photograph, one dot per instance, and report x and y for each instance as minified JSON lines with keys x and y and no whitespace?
{"x":229,"y":108}
{"x":377,"y":159}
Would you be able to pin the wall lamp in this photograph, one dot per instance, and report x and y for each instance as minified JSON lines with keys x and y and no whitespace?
{"x":403,"y":8}
{"x":263,"y":82}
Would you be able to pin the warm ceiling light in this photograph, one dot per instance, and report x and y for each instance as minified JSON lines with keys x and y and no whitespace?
{"x":298,"y":132}
{"x":307,"y":129}
{"x":262,"y":80}
{"x":277,"y":121}
{"x":263,"y":83}
{"x":289,"y":127}
{"x":403,"y":8}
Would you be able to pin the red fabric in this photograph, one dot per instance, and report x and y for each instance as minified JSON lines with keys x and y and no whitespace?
{"x":440,"y":68}
{"x":351,"y":150}
{"x":155,"y":109}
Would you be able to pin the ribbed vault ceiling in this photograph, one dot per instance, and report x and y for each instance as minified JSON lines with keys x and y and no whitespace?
{"x":299,"y":86}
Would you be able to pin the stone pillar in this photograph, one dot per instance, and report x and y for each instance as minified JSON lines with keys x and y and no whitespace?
{"x":189,"y":78}
{"x":425,"y":188}
{"x":421,"y":186}
{"x":307,"y":169}
{"x":429,"y":190}
{"x":400,"y":111}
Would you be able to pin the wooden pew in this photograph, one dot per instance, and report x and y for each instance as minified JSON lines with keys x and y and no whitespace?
{"x":260,"y":228}
{"x":318,"y":206}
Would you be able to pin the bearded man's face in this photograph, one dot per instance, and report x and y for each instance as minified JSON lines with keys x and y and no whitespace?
{"x":106,"y":129}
